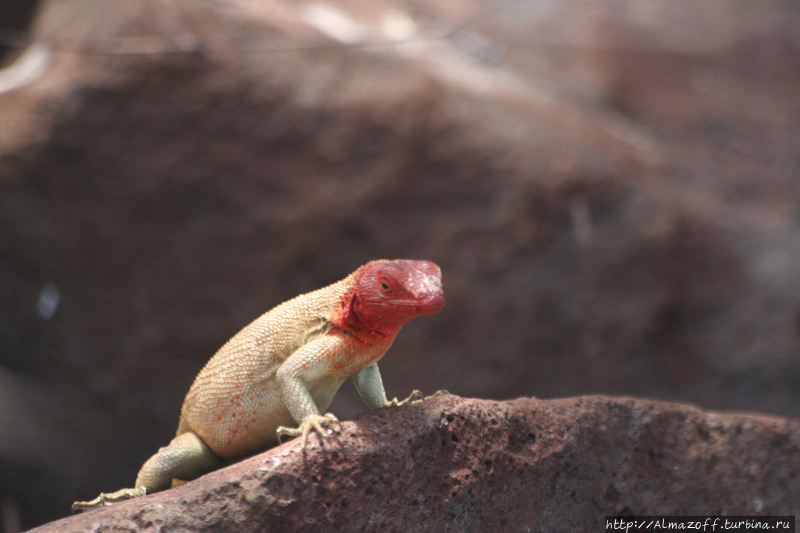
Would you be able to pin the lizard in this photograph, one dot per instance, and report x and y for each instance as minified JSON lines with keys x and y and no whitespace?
{"x":284,"y":369}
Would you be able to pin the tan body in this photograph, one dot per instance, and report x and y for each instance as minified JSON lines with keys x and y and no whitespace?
{"x":235,"y":404}
{"x":283,"y":368}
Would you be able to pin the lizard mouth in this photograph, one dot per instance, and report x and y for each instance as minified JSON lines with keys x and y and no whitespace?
{"x":433,"y":305}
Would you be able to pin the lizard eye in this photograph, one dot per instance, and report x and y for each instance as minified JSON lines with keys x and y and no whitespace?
{"x":386,"y":285}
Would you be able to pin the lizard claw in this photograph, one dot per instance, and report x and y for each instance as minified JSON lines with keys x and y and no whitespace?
{"x":316,"y":423}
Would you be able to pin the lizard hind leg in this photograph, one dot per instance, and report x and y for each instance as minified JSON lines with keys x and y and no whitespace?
{"x":185,"y":458}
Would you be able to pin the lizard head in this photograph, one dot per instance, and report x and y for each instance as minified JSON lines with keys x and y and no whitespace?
{"x":391,"y":293}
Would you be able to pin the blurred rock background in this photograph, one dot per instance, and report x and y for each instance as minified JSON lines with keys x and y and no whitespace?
{"x":610,"y":188}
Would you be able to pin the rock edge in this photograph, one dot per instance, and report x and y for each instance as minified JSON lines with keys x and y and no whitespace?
{"x":453,"y":464}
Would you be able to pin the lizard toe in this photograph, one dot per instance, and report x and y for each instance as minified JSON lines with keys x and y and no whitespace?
{"x":106,"y":499}
{"x":415,"y":397}
{"x":316,"y":423}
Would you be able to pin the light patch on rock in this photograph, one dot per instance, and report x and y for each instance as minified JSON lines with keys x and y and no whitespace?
{"x":334,"y":23}
{"x":398,"y":26}
{"x":28,"y":68}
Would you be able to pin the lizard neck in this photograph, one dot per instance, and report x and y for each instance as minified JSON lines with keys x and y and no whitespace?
{"x":349,"y":319}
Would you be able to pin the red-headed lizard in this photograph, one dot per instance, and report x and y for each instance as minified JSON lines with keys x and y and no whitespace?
{"x":284,"y":369}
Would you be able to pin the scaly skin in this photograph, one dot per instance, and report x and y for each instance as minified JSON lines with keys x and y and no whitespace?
{"x":284,"y":369}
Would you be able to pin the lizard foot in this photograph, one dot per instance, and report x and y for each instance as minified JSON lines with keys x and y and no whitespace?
{"x":415,"y":397}
{"x":107,"y":499}
{"x":315,"y":422}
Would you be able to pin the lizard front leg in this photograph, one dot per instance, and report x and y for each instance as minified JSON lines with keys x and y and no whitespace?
{"x":369,"y":384}
{"x":310,"y":364}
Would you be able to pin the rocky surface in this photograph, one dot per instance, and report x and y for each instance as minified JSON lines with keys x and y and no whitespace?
{"x":612,"y":199}
{"x":457,"y":465}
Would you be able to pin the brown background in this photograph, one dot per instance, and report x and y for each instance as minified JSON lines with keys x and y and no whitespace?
{"x":610,"y":190}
